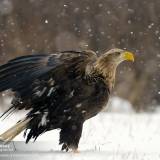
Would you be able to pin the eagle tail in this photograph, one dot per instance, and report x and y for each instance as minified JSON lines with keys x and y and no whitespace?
{"x":14,"y":131}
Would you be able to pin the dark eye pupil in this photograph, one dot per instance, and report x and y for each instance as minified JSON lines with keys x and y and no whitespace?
{"x":118,"y":53}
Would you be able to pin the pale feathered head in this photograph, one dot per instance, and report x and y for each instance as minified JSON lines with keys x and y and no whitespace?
{"x":107,"y":63}
{"x":116,"y":56}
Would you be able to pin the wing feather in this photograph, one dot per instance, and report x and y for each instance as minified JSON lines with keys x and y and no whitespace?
{"x":21,"y":74}
{"x":22,"y":70}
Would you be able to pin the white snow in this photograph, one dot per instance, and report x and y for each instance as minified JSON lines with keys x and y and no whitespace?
{"x":109,"y":135}
{"x":129,"y":21}
{"x":43,"y":120}
{"x":50,"y":91}
{"x":71,"y":94}
{"x":119,"y":105}
{"x":78,"y":105}
{"x":46,"y":21}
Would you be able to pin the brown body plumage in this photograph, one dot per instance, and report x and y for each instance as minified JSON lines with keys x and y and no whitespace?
{"x":62,"y":90}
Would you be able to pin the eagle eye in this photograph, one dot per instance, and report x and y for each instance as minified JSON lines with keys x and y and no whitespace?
{"x":118,"y":53}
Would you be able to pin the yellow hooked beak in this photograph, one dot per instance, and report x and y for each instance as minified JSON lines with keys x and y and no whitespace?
{"x":128,"y":56}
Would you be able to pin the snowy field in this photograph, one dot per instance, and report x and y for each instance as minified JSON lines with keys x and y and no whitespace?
{"x":108,"y":136}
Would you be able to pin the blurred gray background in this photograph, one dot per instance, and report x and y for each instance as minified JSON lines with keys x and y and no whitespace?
{"x":45,"y":26}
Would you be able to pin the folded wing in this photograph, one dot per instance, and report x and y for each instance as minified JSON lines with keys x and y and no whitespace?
{"x":33,"y":75}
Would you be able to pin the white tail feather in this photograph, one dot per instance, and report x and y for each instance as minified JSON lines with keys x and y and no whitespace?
{"x":14,"y":131}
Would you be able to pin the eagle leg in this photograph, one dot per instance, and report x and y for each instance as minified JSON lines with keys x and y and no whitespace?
{"x":70,"y":135}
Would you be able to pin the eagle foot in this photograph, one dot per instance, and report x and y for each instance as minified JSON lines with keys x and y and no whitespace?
{"x":66,"y":148}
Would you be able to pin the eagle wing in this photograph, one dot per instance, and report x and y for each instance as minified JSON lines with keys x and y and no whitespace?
{"x":32,"y":75}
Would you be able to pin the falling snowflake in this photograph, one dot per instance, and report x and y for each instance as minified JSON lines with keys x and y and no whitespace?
{"x":46,"y":21}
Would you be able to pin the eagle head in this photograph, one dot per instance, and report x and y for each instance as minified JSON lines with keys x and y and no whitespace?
{"x":107,"y":63}
{"x":116,"y":56}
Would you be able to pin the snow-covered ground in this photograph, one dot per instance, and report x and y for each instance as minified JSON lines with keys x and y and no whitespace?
{"x":111,"y":136}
